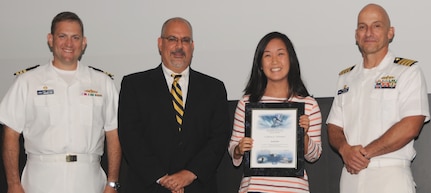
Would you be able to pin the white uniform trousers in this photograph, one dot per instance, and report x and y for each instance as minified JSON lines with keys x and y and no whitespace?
{"x":381,"y":176}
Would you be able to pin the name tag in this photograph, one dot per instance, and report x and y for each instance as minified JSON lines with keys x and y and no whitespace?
{"x":45,"y":92}
{"x":344,"y":90}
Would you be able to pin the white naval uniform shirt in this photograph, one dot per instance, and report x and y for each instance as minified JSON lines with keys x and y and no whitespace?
{"x":366,"y":110}
{"x":60,"y":118}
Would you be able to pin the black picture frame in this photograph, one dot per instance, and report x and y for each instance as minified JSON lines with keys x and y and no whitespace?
{"x":276,"y":158}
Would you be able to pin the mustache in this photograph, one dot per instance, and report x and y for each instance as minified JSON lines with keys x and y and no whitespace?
{"x":179,"y":51}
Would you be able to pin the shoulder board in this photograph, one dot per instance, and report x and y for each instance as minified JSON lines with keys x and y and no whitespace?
{"x":25,"y":70}
{"x":346,"y":70}
{"x":404,"y":61}
{"x":107,"y":73}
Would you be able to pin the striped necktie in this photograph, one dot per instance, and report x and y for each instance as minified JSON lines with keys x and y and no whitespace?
{"x":177,"y":100}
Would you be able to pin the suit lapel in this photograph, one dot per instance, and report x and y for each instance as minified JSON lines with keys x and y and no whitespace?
{"x":193,"y":98}
{"x":161,"y":91}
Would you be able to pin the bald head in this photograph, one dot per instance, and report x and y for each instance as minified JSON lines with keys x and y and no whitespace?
{"x":377,"y":11}
{"x":176,"y":19}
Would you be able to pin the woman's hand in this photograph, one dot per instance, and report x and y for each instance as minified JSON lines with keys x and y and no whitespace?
{"x":245,"y":144}
{"x":304,"y":122}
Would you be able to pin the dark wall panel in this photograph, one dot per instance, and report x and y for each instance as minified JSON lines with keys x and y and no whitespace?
{"x":324,"y":174}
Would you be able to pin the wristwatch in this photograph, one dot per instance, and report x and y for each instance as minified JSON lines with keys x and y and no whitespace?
{"x":114,"y":185}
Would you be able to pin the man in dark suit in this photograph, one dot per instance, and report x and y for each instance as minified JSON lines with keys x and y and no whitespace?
{"x":166,"y":149}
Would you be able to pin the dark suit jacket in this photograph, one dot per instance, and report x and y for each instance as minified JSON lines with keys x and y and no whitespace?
{"x":153,"y":146}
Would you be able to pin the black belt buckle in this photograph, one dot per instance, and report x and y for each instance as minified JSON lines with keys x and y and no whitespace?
{"x":71,"y":158}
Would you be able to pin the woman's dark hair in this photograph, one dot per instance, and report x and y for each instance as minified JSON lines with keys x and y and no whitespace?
{"x":66,"y":16}
{"x":257,"y":83}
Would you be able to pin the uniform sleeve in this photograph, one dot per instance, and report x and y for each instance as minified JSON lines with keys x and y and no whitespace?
{"x":111,"y":106}
{"x":336,"y":113}
{"x":413,"y":93}
{"x":238,"y":131}
{"x":13,"y":106}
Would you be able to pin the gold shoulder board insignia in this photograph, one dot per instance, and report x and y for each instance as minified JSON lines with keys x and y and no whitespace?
{"x":404,"y":61}
{"x":107,"y":73}
{"x":25,"y":70}
{"x":346,"y":70}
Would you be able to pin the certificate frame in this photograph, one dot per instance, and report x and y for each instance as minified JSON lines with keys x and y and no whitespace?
{"x":278,"y":140}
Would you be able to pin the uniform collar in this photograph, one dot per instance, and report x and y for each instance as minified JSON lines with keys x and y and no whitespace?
{"x":387,"y":60}
{"x":81,"y":74}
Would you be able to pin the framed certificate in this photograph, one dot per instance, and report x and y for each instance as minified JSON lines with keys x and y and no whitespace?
{"x":278,"y":140}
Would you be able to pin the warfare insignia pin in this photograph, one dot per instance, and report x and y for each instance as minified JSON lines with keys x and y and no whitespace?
{"x":91,"y":92}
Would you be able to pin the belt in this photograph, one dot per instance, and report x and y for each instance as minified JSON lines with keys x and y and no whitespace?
{"x":376,"y":163}
{"x":64,"y":158}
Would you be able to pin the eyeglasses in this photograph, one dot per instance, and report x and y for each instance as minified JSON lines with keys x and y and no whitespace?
{"x":174,"y":40}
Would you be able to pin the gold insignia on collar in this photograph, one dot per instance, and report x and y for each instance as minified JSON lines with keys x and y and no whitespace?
{"x":25,"y":70}
{"x":107,"y":73}
{"x":404,"y":61}
{"x":346,"y":70}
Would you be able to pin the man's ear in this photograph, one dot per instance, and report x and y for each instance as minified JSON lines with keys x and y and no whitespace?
{"x":391,"y":34}
{"x":159,"y":44}
{"x":49,"y":38}
{"x":84,"y":44}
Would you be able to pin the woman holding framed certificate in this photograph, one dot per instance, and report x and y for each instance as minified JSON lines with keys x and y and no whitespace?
{"x":264,"y":134}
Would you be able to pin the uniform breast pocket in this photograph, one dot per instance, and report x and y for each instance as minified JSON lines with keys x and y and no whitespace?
{"x":348,"y":100}
{"x":385,"y":101}
{"x":47,"y":109}
{"x":91,"y":110}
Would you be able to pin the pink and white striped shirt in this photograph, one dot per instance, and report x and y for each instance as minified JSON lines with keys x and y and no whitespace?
{"x":278,"y":184}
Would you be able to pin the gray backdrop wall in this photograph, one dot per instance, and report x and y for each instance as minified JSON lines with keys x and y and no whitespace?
{"x":122,"y":35}
{"x":324,"y":174}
